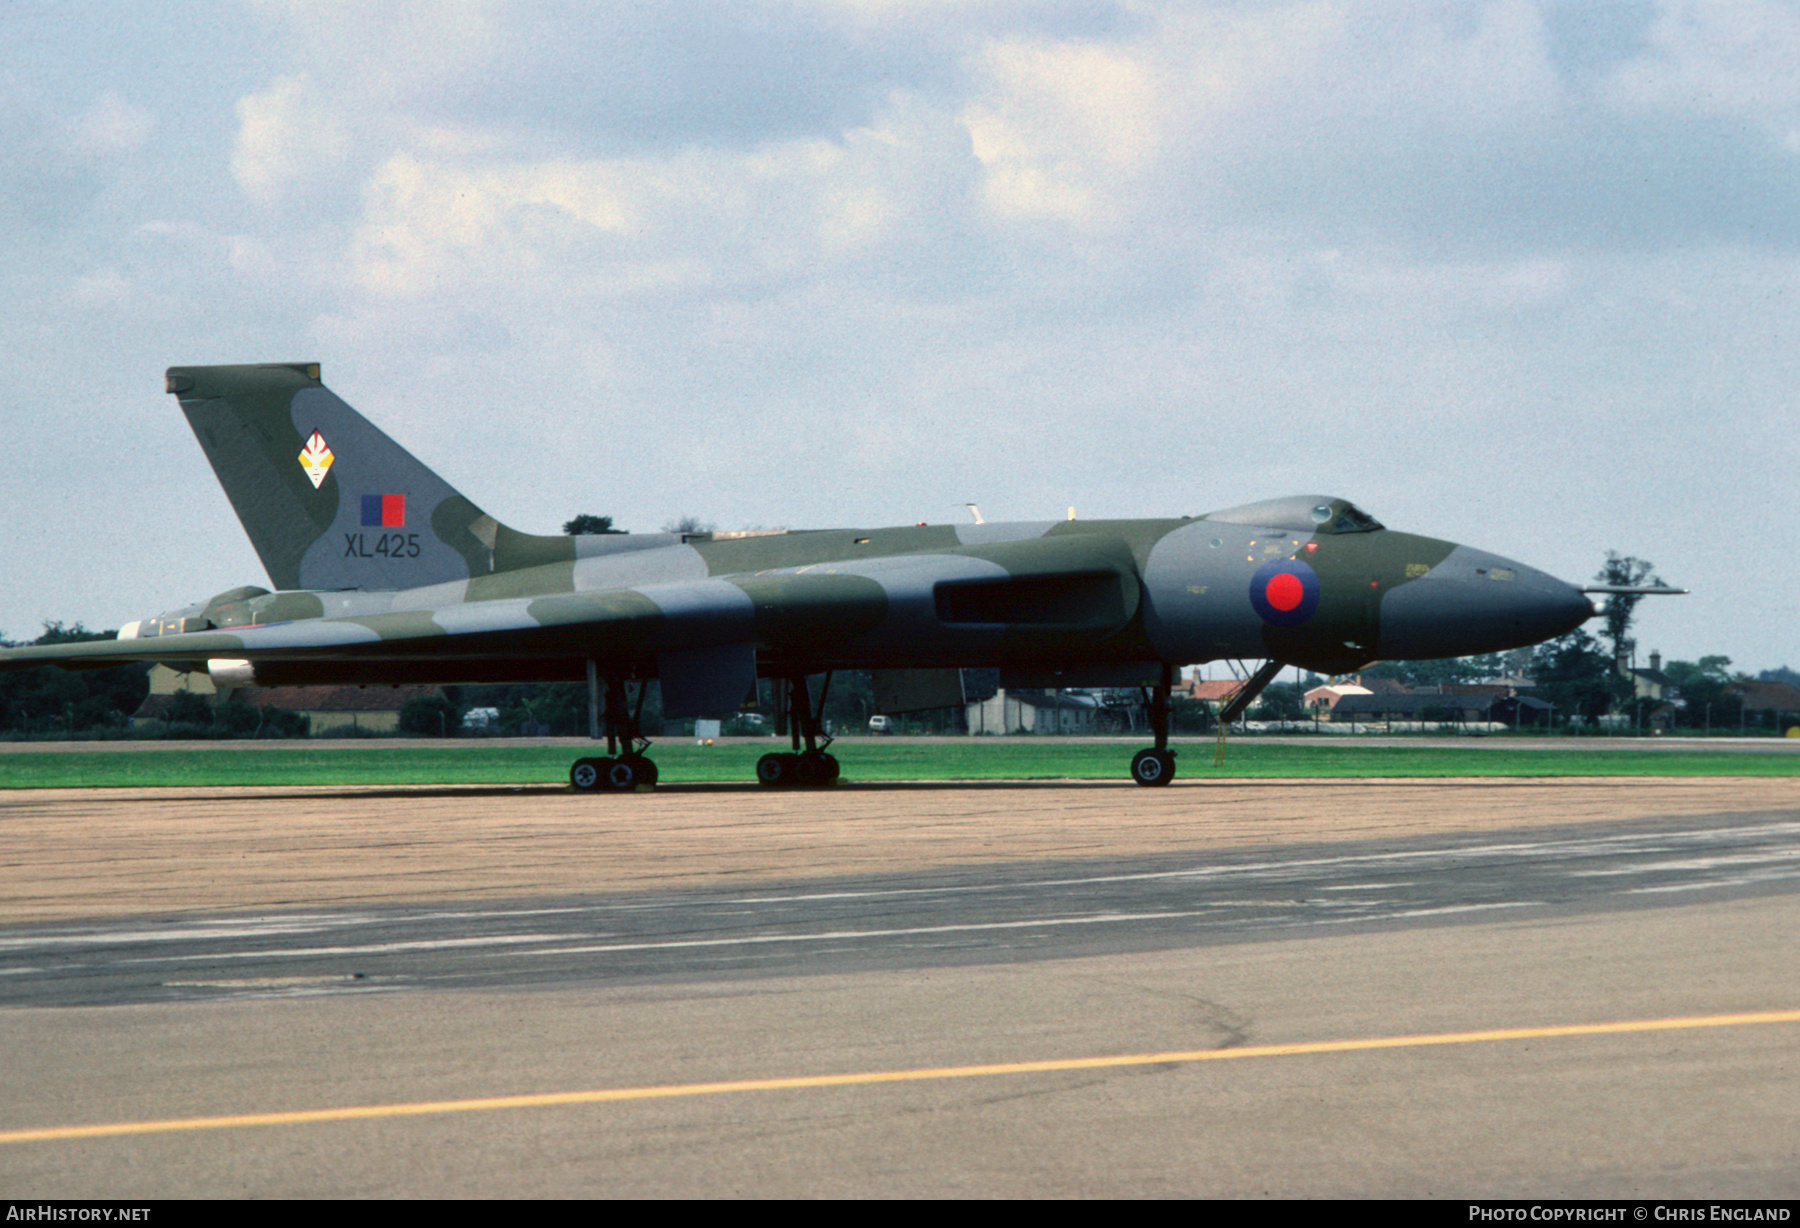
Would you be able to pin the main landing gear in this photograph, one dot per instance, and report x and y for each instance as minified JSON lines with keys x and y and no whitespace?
{"x":809,"y":768}
{"x":614,"y":772}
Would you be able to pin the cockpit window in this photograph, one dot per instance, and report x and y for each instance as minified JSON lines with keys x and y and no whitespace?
{"x":1352,"y":519}
{"x":1301,"y":513}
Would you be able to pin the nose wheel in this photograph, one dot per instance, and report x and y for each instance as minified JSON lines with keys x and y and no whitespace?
{"x":1153,"y":767}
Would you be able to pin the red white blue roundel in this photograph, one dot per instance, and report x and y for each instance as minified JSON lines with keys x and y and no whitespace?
{"x":1285,"y":592}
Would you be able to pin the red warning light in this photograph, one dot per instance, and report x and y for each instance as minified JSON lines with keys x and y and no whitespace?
{"x":1311,"y":546}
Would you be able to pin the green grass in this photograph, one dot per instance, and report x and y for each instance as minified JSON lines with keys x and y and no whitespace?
{"x":495,"y":763}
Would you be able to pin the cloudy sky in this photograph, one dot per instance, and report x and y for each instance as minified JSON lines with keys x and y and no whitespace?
{"x":1522,"y":275}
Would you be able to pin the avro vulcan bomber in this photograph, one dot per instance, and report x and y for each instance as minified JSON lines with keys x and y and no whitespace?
{"x":383,"y":574}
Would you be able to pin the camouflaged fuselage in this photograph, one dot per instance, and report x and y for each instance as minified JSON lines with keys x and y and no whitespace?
{"x":385,"y":574}
{"x":1051,"y":595}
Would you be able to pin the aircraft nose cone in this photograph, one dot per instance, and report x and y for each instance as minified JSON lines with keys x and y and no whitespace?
{"x":1475,"y":602}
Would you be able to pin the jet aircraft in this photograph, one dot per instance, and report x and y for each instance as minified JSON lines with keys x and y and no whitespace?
{"x":383,"y":574}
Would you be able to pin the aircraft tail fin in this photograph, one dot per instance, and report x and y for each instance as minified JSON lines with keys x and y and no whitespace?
{"x":329,"y":501}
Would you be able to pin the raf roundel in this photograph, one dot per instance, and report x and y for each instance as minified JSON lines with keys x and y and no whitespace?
{"x":1285,"y":592}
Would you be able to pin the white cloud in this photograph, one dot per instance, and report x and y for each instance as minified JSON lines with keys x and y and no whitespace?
{"x":446,"y":218}
{"x":112,"y":127}
{"x":287,"y":136}
{"x":1740,"y":59}
{"x":104,"y":288}
{"x":1061,"y":122}
{"x":1225,"y":110}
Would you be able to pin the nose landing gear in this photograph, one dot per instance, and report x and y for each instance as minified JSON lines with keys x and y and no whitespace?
{"x":1153,"y":767}
{"x":1156,"y":766}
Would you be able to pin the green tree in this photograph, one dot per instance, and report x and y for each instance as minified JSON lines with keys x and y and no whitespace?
{"x":585,"y":523}
{"x":429,"y":716}
{"x":280,"y":723}
{"x":563,"y":706}
{"x":189,"y":715}
{"x":848,"y":704}
{"x":1449,"y":670}
{"x":236,"y":719}
{"x":1281,"y":701}
{"x":1575,"y":674}
{"x":1190,"y":715}
{"x":48,"y":700}
{"x":1706,"y":700}
{"x":1621,"y":608}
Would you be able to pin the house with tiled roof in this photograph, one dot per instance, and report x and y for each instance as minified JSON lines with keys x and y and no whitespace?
{"x":1213,"y":690}
{"x":1770,"y":703}
{"x":1650,"y":683}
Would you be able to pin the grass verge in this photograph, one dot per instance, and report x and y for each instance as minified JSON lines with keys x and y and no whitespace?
{"x":466,"y":763}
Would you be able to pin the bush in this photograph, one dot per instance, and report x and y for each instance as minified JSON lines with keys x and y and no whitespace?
{"x":430,"y":716}
{"x":187,"y":708}
{"x":236,"y":719}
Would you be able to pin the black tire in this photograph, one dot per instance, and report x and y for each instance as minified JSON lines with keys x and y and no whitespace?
{"x":643,"y":772}
{"x":625,"y":774}
{"x":813,"y":769}
{"x":833,"y":771}
{"x":588,"y":775}
{"x":776,"y":769}
{"x":1153,"y":767}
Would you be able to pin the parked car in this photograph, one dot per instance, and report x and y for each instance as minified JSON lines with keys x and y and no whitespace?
{"x":880,"y":724}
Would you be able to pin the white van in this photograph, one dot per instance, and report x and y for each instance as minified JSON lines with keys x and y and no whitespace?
{"x":880,"y":724}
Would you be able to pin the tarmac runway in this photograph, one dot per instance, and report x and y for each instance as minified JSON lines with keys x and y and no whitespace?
{"x":1454,"y":989}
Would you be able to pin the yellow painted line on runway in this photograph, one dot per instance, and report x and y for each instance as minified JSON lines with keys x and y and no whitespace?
{"x":1048,"y":1066}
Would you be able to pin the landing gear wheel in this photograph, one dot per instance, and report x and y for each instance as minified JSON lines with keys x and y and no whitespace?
{"x":628,"y":772}
{"x":589,"y":775}
{"x":1153,"y":767}
{"x":623,"y":773}
{"x":777,"y":769}
{"x":815,"y":768}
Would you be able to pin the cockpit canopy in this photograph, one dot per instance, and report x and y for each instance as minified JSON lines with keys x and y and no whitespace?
{"x":1302,"y":514}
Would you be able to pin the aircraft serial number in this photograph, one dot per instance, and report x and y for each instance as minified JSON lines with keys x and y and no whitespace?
{"x":387,"y":546}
